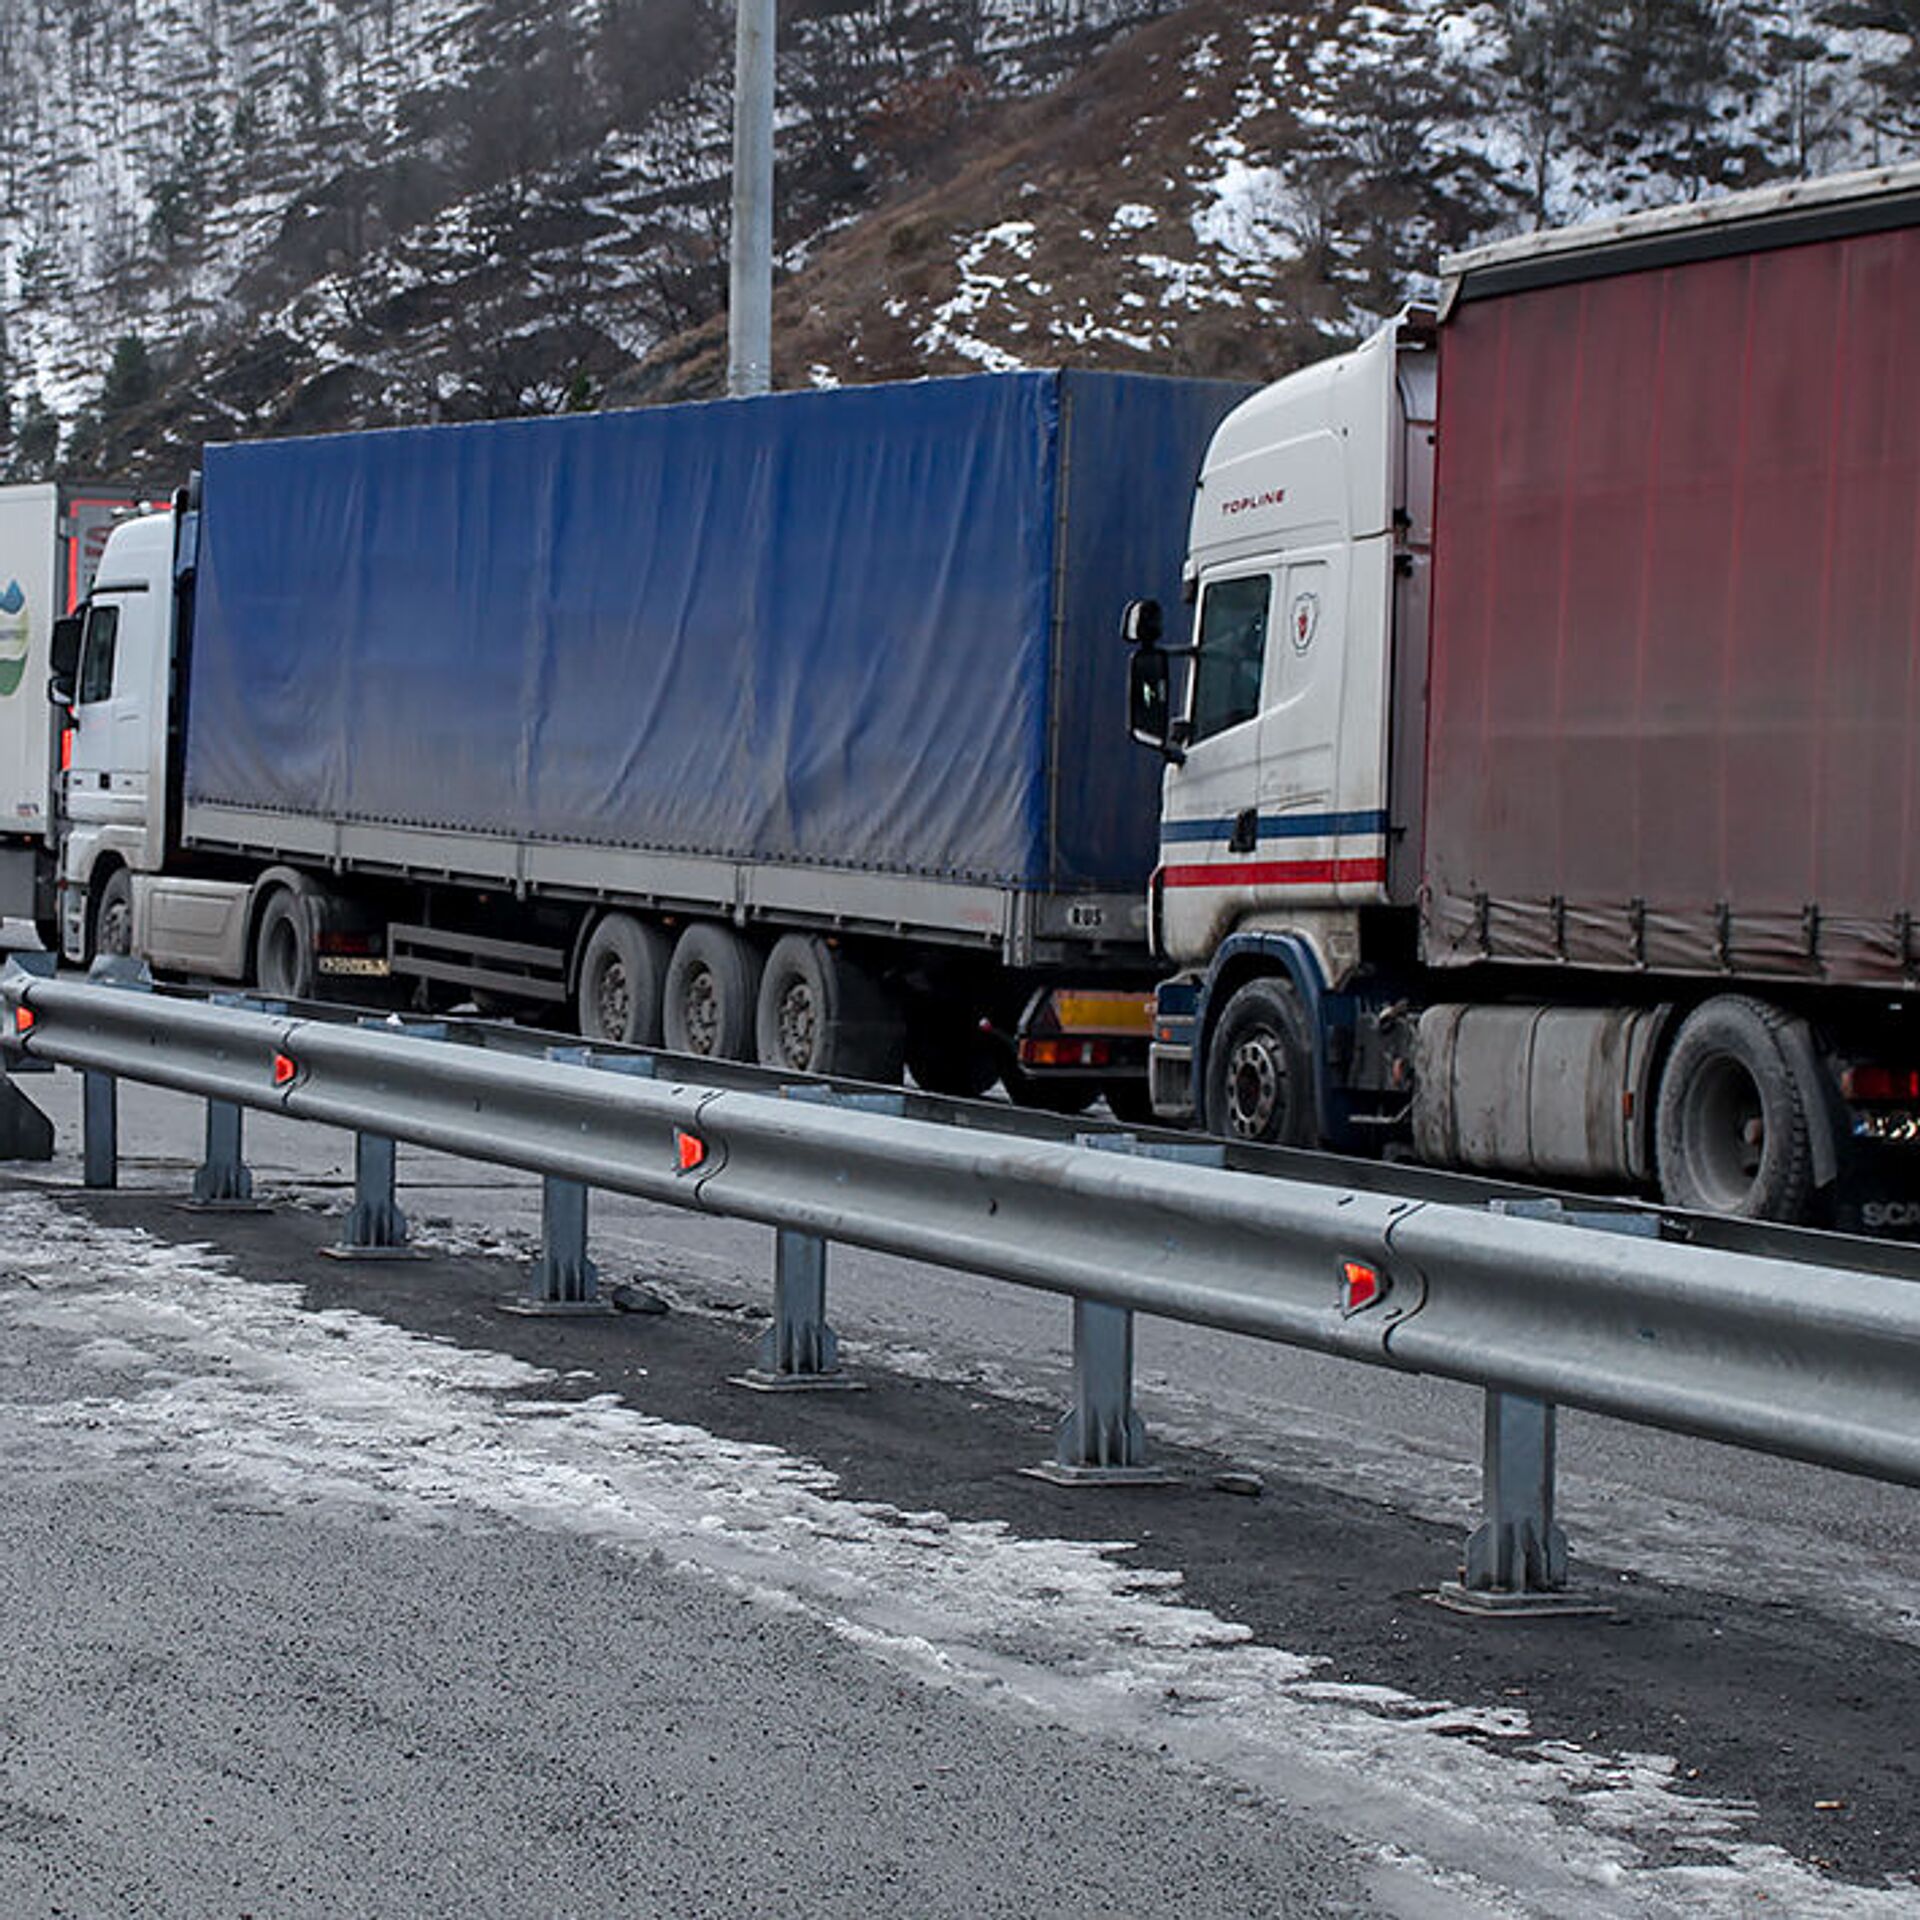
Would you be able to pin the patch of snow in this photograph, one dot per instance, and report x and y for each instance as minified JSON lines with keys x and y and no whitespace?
{"x":345,"y":1416}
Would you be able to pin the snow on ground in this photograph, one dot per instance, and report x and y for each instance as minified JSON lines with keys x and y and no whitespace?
{"x":346,"y":1416}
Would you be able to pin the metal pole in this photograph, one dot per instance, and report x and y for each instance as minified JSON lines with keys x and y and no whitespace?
{"x":563,"y":1280}
{"x":376,"y":1229}
{"x":222,"y":1180}
{"x":750,"y":291}
{"x":1100,"y":1440}
{"x":100,"y":1125}
{"x":800,"y":1350}
{"x":1517,"y":1549}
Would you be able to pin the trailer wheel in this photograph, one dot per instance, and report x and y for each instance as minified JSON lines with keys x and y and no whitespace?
{"x":113,"y":917}
{"x":622,"y":982}
{"x":282,"y":948}
{"x":1131,"y":1103}
{"x":1259,"y":1072}
{"x":1733,"y":1131}
{"x":947,"y":1053}
{"x":708,"y":1006}
{"x":1056,"y":1093}
{"x":820,"y":1012}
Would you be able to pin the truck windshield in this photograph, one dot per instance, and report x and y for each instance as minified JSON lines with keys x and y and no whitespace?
{"x":1233,"y":648}
{"x":96,"y":658}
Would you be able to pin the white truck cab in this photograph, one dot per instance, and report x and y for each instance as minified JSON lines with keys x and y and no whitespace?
{"x":115,"y":784}
{"x":1307,"y":565}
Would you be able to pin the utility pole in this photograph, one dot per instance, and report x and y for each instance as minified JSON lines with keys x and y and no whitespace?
{"x":750,"y":290}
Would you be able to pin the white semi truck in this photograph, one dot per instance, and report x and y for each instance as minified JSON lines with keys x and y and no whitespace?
{"x":1543,"y":783}
{"x":52,"y":534}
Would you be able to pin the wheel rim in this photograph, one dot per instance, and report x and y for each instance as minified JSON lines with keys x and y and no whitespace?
{"x":1256,"y":1085}
{"x":1726,"y":1133}
{"x":612,"y":998}
{"x":116,"y":927}
{"x":702,"y":1008}
{"x":799,"y":1025}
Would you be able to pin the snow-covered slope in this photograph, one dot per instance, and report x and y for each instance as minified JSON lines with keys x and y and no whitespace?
{"x":356,"y":211}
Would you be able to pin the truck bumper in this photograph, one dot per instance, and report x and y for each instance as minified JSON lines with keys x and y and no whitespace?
{"x":1176,"y":1015}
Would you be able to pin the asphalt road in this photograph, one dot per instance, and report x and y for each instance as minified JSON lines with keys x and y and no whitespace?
{"x":335,"y":1590}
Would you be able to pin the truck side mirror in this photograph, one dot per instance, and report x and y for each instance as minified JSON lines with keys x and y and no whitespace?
{"x":1150,"y":702}
{"x":1141,"y":624}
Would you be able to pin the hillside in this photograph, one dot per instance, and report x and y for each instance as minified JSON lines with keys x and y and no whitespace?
{"x":225,"y":218}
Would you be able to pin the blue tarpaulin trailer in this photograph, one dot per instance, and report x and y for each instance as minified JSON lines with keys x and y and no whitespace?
{"x":846,"y":657}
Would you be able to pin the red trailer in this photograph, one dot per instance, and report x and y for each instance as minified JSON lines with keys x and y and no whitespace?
{"x":1674,"y":718}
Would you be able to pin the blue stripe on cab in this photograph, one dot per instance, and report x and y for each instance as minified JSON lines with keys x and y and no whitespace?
{"x":1278,"y":826}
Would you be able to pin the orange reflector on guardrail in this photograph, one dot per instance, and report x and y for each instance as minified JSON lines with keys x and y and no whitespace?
{"x":692,"y":1150}
{"x":1363,"y":1285}
{"x":23,"y":1019}
{"x":285,"y":1069}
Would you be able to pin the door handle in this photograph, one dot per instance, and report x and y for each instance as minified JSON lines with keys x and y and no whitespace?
{"x":1246,"y":831}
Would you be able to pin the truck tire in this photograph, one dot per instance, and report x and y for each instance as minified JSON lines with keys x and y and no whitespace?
{"x":713,"y":981}
{"x":820,"y":1012}
{"x":623,"y":976}
{"x":1258,"y":1082}
{"x":283,"y":948}
{"x":113,"y":917}
{"x":1733,"y":1133}
{"x":947,"y":1053}
{"x":1055,"y":1093}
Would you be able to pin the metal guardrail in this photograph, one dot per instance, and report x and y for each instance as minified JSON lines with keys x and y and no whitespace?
{"x":1539,"y":1306}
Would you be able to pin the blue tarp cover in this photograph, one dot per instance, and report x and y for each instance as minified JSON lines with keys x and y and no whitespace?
{"x":874,"y":628}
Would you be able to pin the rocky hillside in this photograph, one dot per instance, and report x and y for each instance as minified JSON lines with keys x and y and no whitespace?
{"x":222,"y":218}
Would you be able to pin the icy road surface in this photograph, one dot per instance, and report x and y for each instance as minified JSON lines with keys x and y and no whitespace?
{"x":334,"y":1592}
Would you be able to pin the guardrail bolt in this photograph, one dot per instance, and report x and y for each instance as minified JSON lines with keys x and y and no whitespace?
{"x":376,"y":1229}
{"x":100,"y":1129}
{"x":222,"y":1183}
{"x":563,"y":1279}
{"x":1100,"y":1440}
{"x":800,"y":1350}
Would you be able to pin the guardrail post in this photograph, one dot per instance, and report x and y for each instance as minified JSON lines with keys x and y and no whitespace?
{"x":100,"y":1129}
{"x":1516,"y":1560}
{"x":222,"y":1182}
{"x":1100,"y":1440}
{"x":563,"y":1279}
{"x":376,"y":1229}
{"x":1517,"y":1551}
{"x":799,"y":1351}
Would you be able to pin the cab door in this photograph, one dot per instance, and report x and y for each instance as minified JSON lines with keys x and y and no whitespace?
{"x":107,"y":774}
{"x":1209,"y":831}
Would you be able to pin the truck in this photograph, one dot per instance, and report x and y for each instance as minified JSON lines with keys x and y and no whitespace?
{"x":51,"y":536}
{"x":1542,"y":767}
{"x":771,"y":728}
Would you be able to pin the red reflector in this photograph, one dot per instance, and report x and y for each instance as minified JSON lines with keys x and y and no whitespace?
{"x":1065,"y":1053}
{"x":285,"y":1069}
{"x":1879,"y":1083}
{"x":692,"y":1149}
{"x":1363,"y":1285}
{"x":23,"y":1019}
